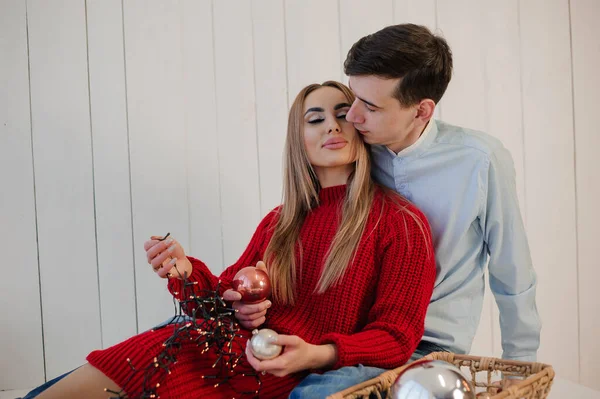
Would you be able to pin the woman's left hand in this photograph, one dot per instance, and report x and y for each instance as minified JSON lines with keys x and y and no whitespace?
{"x":297,"y":355}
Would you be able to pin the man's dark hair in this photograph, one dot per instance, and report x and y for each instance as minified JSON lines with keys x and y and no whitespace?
{"x":411,"y":52}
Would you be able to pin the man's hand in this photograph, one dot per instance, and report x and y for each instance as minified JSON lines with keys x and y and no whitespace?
{"x":297,"y":355}
{"x":250,"y":316}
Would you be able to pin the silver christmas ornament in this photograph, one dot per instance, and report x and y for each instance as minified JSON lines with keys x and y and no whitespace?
{"x":432,"y":379}
{"x":262,"y":346}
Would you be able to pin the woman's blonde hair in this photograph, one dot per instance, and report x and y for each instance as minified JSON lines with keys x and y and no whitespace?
{"x":301,"y":194}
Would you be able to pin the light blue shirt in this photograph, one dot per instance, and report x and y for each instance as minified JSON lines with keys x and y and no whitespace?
{"x":464,"y":182}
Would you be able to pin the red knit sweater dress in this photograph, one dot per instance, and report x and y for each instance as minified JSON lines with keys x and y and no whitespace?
{"x":375,"y":316}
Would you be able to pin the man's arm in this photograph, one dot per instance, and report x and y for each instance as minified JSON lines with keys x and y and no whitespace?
{"x":511,"y":275}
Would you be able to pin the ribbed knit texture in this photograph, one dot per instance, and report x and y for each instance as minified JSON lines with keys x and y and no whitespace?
{"x":375,"y":316}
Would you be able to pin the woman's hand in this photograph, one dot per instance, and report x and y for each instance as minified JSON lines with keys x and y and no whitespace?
{"x":167,"y":257}
{"x":250,"y":316}
{"x":297,"y":355}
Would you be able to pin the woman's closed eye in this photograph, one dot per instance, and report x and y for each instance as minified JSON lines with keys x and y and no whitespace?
{"x":319,"y":120}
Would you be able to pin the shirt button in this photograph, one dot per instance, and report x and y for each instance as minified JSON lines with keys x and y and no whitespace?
{"x":403,"y":186}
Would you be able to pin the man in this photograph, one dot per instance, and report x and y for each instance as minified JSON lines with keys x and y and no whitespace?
{"x":464,"y":182}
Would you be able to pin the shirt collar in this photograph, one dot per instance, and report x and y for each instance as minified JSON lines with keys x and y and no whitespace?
{"x":421,"y":144}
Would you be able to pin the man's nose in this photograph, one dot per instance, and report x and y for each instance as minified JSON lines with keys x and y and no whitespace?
{"x":354,"y":115}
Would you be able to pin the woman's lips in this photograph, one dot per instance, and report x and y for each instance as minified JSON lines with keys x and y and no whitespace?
{"x":335,"y":143}
{"x":335,"y":146}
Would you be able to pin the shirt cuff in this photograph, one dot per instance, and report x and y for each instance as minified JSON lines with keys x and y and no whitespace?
{"x":531,"y":357}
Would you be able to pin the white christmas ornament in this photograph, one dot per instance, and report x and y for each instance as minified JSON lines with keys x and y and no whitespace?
{"x":262,"y":346}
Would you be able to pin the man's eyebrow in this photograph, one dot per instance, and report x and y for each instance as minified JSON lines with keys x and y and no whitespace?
{"x":314,"y":109}
{"x":362,"y":99}
{"x":341,"y":105}
{"x":368,"y":102}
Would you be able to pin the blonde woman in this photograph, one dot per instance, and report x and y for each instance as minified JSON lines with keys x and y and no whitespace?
{"x":351,"y":266}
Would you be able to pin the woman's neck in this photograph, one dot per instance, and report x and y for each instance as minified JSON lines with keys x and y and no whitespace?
{"x":333,"y":176}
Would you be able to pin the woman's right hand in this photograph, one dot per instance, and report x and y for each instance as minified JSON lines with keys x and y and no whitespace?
{"x":167,"y":257}
{"x":250,"y":316}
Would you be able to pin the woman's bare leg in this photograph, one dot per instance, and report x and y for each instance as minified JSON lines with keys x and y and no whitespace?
{"x":85,"y":382}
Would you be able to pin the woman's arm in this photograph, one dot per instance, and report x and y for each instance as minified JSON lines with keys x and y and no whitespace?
{"x":200,"y":279}
{"x":396,"y":321}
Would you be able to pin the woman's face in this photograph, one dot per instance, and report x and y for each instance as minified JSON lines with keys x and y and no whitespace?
{"x":330,"y":140}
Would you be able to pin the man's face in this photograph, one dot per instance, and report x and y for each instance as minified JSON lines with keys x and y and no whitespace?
{"x":378,"y":115}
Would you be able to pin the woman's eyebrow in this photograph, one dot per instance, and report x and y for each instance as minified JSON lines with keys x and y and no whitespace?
{"x":319,"y":109}
{"x":341,"y":105}
{"x":314,"y":109}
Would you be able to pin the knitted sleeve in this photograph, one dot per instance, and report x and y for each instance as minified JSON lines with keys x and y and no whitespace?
{"x":203,"y":278}
{"x":396,"y":322}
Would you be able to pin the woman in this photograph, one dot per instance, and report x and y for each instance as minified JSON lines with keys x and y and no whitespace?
{"x":351,"y":266}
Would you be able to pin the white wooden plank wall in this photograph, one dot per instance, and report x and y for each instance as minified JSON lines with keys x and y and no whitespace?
{"x":21,"y":331}
{"x":64,"y":182}
{"x":201,"y":133}
{"x":108,"y":97}
{"x":120,"y":119}
{"x":585,"y":49}
{"x":236,"y":125}
{"x":550,"y":176}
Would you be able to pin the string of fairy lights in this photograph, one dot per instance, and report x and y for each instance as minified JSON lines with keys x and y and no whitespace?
{"x":211,"y":325}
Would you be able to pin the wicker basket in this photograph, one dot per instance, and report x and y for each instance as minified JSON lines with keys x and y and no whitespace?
{"x":536,"y":385}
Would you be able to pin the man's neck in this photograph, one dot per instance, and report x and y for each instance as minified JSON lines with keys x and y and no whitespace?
{"x":410,"y":139}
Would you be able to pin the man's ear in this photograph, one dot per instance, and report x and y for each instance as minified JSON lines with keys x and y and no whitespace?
{"x":425,"y":109}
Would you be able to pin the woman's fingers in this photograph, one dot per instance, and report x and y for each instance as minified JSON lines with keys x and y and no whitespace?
{"x":288,"y":340}
{"x":164,"y":253}
{"x":167,"y":245}
{"x":261,"y":265}
{"x":164,"y":271}
{"x":252,"y":316}
{"x":160,"y":259}
{"x":254,"y":362}
{"x":277,"y":364}
{"x":252,"y":324}
{"x":231,"y":295}
{"x":250,"y":308}
{"x":258,"y":365}
{"x":150,"y":243}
